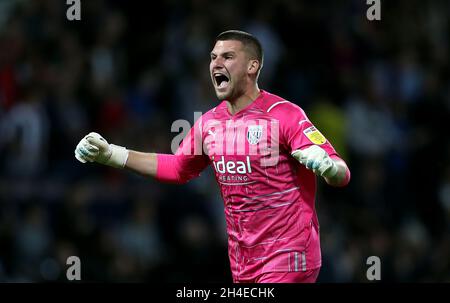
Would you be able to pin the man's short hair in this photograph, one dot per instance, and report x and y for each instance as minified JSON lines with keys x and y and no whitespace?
{"x":251,"y":44}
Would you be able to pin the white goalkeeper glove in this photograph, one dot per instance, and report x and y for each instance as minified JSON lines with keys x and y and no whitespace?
{"x":316,"y":159}
{"x":94,"y":148}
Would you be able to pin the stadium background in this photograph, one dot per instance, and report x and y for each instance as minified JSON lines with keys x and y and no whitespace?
{"x":378,"y":90}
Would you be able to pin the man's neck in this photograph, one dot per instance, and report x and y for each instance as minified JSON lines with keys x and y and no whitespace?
{"x":238,"y":104}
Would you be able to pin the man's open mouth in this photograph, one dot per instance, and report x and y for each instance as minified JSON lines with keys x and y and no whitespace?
{"x":221,"y":80}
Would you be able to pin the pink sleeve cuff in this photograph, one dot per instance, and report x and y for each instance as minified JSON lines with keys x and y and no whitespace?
{"x":167,"y":169}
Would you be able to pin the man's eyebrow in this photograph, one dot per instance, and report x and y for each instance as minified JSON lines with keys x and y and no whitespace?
{"x":228,"y":53}
{"x":223,"y":54}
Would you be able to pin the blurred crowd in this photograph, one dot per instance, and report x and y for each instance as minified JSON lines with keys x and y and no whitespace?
{"x":378,"y":90}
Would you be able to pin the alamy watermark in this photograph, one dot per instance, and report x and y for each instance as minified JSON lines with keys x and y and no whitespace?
{"x":373,"y":273}
{"x":232,"y":137}
{"x":374,"y":11}
{"x":73,"y":272}
{"x":74,"y":10}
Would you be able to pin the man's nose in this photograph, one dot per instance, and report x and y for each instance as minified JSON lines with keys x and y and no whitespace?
{"x":217,"y":62}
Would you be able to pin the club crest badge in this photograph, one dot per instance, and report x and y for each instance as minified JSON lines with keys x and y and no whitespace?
{"x":254,"y":134}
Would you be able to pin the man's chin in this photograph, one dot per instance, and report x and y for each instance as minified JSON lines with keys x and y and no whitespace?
{"x":222,"y":95}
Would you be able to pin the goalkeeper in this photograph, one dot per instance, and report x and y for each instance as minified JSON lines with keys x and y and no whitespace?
{"x":266,"y":154}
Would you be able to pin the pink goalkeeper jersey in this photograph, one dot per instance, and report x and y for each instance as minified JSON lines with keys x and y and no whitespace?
{"x":269,"y":197}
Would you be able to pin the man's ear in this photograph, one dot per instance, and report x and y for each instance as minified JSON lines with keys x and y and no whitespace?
{"x":253,"y":67}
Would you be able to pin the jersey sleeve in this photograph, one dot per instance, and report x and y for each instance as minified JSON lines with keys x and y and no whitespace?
{"x":188,"y":161}
{"x":298,"y":132}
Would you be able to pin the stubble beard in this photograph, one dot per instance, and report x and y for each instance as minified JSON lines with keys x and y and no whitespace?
{"x":234,"y":92}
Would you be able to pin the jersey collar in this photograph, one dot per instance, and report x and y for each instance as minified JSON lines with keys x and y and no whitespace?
{"x":255,"y":104}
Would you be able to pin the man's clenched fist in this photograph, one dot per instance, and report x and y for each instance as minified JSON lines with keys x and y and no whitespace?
{"x":316,"y":159}
{"x":94,"y":148}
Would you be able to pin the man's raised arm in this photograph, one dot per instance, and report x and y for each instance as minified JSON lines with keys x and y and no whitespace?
{"x":169,"y":168}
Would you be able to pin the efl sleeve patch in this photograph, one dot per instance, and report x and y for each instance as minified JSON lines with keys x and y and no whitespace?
{"x":314,"y":135}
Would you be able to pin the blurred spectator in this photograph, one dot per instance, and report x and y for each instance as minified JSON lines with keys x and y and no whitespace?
{"x":24,"y":132}
{"x":272,"y":45}
{"x":139,"y":237}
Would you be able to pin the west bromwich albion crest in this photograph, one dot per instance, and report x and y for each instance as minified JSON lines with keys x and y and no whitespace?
{"x":254,"y":134}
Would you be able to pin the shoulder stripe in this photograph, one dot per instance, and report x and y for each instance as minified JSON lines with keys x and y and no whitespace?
{"x":275,"y":104}
{"x":301,"y":122}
